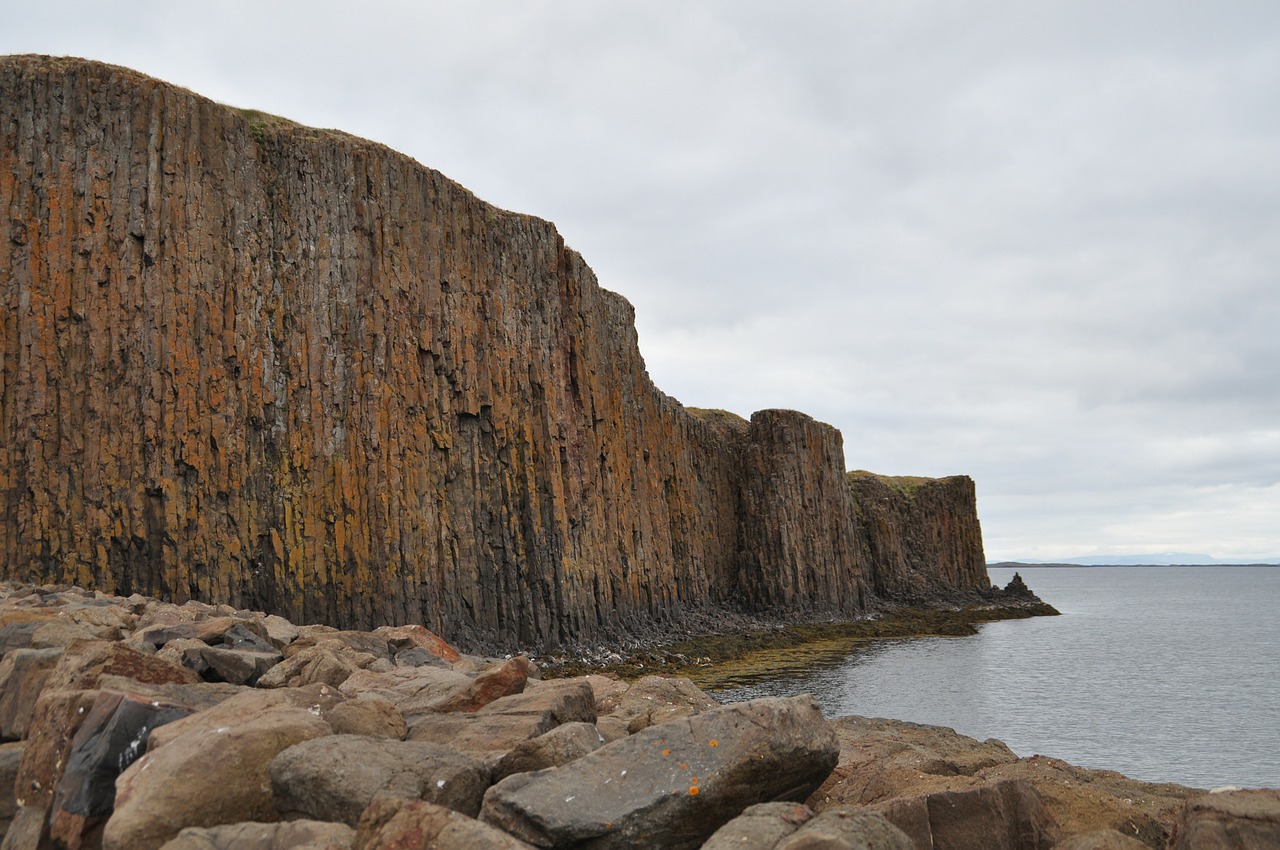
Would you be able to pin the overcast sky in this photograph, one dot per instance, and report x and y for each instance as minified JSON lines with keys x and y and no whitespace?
{"x":1037,"y":243}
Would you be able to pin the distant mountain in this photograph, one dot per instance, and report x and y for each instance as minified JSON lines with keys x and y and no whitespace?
{"x":1157,"y":559}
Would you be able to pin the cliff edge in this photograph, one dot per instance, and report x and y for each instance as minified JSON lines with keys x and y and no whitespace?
{"x":251,"y":362}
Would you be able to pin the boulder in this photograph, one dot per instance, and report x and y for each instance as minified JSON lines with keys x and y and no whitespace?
{"x":760,"y":827}
{"x":238,"y":666}
{"x":401,"y":638}
{"x":674,"y":784}
{"x":418,"y":825}
{"x":279,"y":631}
{"x":23,"y":673}
{"x":502,"y":680}
{"x":337,"y":777}
{"x":211,"y":768}
{"x":1007,"y":815}
{"x":561,"y":745}
{"x":375,"y":717}
{"x":291,"y":835}
{"x":413,"y":690}
{"x":112,"y":736}
{"x":1232,"y":820}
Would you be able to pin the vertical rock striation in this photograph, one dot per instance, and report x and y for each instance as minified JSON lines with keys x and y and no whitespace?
{"x":248,"y":361}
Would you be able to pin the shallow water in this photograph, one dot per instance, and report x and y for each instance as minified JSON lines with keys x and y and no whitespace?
{"x":1162,"y":673}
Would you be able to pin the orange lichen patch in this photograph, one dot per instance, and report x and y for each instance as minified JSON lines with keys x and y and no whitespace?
{"x":693,"y":790}
{"x":684,"y":766}
{"x":714,"y":743}
{"x":666,"y":752}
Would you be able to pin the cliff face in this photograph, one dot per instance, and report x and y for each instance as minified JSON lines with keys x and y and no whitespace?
{"x":921,"y":535}
{"x":248,"y":361}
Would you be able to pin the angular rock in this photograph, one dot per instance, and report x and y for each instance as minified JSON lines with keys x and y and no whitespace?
{"x":280,"y":631}
{"x":84,"y":664}
{"x":500,"y":681}
{"x":1102,"y":839}
{"x":61,"y":633}
{"x":504,"y":723}
{"x":23,"y":673}
{"x":852,"y":828}
{"x":292,"y":835}
{"x":413,"y":690}
{"x":760,"y":827}
{"x":205,"y":774}
{"x":418,"y":825}
{"x":112,"y":736}
{"x":675,"y":783}
{"x":57,"y":716}
{"x":337,"y":777}
{"x":561,"y":745}
{"x":1232,"y":820}
{"x":238,"y":666}
{"x":1008,"y":815}
{"x":29,"y":830}
{"x":402,"y":638}
{"x":329,"y":662}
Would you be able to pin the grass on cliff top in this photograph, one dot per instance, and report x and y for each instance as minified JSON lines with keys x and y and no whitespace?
{"x":905,"y":484}
{"x":721,"y":661}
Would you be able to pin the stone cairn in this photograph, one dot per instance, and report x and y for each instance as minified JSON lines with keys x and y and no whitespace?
{"x":134,"y":724}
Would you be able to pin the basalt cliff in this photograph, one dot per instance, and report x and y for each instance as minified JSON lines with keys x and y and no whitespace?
{"x":249,"y":362}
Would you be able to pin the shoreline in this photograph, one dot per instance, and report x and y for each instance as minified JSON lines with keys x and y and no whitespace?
{"x":736,"y":656}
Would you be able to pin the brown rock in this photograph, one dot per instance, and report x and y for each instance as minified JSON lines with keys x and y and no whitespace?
{"x":852,"y":828}
{"x":330,"y":662}
{"x":402,"y":638}
{"x":503,"y":680}
{"x":205,"y":774}
{"x":10,"y":757}
{"x":1232,"y":820}
{"x":657,"y":699}
{"x":374,"y":716}
{"x":418,"y":825}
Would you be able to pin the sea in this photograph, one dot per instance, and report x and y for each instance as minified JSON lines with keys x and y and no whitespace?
{"x":1166,"y":674}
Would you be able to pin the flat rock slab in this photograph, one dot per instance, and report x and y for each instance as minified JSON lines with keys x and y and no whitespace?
{"x":337,"y":777}
{"x":291,"y":835}
{"x":417,"y":825}
{"x":674,"y":784}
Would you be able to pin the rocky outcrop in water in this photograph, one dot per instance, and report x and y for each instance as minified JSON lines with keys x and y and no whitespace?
{"x":250,"y":362}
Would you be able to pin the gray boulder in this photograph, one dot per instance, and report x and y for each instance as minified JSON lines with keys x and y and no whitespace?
{"x":561,"y":745}
{"x":337,"y":777}
{"x":674,"y":784}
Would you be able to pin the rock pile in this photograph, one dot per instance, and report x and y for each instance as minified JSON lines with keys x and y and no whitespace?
{"x":134,"y":724}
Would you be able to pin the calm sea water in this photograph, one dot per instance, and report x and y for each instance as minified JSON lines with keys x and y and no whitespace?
{"x":1162,"y":673}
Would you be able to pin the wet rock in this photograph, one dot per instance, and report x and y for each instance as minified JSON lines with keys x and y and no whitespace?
{"x":417,"y":825}
{"x":337,"y":777}
{"x":1102,"y":839}
{"x":760,"y":827}
{"x":292,"y":835}
{"x":1232,"y":820}
{"x":675,"y":783}
{"x":22,"y":676}
{"x":204,"y":773}
{"x":1007,"y":815}
{"x":561,"y":745}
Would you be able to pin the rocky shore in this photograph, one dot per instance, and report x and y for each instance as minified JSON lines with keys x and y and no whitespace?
{"x":133,"y":724}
